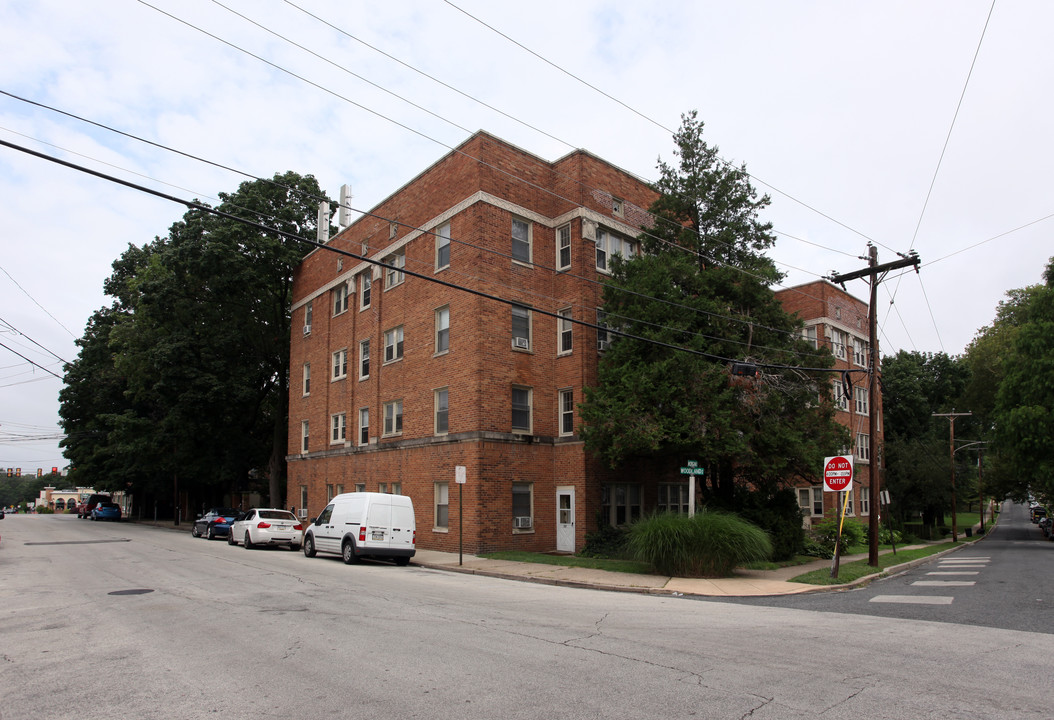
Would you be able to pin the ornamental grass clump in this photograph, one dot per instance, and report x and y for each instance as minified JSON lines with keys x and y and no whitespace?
{"x":709,"y":544}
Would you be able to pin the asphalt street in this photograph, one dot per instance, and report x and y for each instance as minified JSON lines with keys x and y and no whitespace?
{"x":124,"y":621}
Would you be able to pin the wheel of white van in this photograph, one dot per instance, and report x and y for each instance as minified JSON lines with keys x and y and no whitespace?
{"x":347,"y":551}
{"x":309,"y":546}
{"x":248,"y":541}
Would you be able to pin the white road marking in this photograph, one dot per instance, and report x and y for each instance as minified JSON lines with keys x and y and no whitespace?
{"x":960,"y":572}
{"x":913,"y":599}
{"x":944,"y":583}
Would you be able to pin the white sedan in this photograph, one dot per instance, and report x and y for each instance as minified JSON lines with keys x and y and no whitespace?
{"x":266,"y":526}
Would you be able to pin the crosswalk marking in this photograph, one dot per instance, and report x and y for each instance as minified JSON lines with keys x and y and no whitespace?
{"x":944,"y":583}
{"x":913,"y":599}
{"x":955,"y":572}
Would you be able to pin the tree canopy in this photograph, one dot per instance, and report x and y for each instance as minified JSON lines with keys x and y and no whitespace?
{"x":701,"y":283}
{"x":183,"y":380}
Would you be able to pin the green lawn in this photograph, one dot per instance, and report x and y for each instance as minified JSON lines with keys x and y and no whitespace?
{"x":626,"y":566}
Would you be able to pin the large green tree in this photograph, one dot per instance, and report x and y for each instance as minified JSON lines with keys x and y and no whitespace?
{"x":1023,"y":417}
{"x":195,"y":351}
{"x":702,"y":283}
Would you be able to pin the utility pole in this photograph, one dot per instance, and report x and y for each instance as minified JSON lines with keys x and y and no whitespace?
{"x":875,"y":272}
{"x":951,"y":431}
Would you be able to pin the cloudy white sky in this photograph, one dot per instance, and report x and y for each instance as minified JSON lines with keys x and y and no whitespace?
{"x":862,"y":120}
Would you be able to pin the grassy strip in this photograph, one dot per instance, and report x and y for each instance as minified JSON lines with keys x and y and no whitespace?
{"x":848,"y":572}
{"x":625,"y":566}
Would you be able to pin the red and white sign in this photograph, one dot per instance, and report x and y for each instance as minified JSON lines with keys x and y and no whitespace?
{"x":838,"y":473}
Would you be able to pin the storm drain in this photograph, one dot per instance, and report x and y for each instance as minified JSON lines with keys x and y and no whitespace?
{"x":133,"y":591}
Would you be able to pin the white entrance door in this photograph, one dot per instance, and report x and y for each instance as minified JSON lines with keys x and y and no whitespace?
{"x":565,"y":519}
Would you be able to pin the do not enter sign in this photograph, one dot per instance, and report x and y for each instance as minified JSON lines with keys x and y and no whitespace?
{"x":838,"y":473}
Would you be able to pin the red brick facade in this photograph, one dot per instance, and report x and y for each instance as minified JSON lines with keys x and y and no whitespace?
{"x":479,"y":189}
{"x":515,"y":475}
{"x":838,"y":321}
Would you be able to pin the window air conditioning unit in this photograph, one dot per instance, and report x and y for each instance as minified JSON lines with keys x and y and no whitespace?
{"x":302,"y":513}
{"x":307,"y":329}
{"x":602,"y":345}
{"x":522,"y":523}
{"x":521,"y":343}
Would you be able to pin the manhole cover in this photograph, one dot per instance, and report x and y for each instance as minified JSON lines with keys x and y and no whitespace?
{"x":133,"y":591}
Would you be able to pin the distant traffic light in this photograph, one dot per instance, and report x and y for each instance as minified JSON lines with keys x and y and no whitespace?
{"x":54,"y":471}
{"x":18,"y":472}
{"x":10,"y":472}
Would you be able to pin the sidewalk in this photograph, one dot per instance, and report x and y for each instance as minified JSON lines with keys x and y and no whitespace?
{"x":744,"y":583}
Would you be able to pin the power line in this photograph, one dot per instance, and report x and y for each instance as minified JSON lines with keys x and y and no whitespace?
{"x":5,"y":272}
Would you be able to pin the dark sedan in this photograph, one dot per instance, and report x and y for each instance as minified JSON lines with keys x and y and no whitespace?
{"x":106,"y":511}
{"x":215,"y":523}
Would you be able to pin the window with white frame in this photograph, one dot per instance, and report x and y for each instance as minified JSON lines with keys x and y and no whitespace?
{"x":603,"y":336}
{"x":393,"y":417}
{"x":565,"y":339}
{"x":841,"y":402}
{"x":340,"y":299}
{"x":340,"y":364}
{"x":838,"y":339}
{"x":673,"y":497}
{"x":307,"y":379}
{"x":521,"y":327}
{"x":567,"y":412}
{"x":393,"y":344}
{"x":365,"y":289}
{"x":863,"y":447}
{"x":364,"y":426}
{"x":303,"y":501}
{"x":521,"y":409}
{"x":809,"y":334}
{"x":865,"y":501}
{"x":521,"y":240}
{"x":848,"y":505}
{"x":810,"y":500}
{"x":364,"y":359}
{"x":563,"y":247}
{"x":338,"y":427}
{"x":618,"y":207}
{"x":393,"y":271}
{"x":395,"y":488}
{"x":442,"y":330}
{"x":522,"y":506}
{"x":442,"y":411}
{"x":359,"y":487}
{"x":308,"y":313}
{"x":608,"y":244}
{"x":329,"y":492}
{"x":305,"y":435}
{"x":860,"y":396}
{"x":443,"y":246}
{"x":860,"y":352}
{"x":442,"y":505}
{"x":620,"y":503}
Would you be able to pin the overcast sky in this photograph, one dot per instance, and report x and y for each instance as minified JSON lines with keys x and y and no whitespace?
{"x":862,"y":120}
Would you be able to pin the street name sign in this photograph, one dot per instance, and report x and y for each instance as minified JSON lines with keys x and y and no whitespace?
{"x":693,"y":469}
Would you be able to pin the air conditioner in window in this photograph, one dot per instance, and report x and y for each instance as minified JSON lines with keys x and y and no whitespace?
{"x":521,"y":343}
{"x":522,"y":523}
{"x":302,"y":513}
{"x":307,"y":329}
{"x":602,"y":345}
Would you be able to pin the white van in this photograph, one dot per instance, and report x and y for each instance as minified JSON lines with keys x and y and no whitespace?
{"x":365,"y":524}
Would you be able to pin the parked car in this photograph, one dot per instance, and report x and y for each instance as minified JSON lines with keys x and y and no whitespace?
{"x":1044,"y":525}
{"x":365,"y":524}
{"x":106,"y":511}
{"x":215,"y":523}
{"x":1036,"y":512}
{"x":266,"y":526}
{"x":84,"y":509}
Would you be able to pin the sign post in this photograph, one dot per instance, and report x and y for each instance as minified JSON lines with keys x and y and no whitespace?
{"x":838,"y":477}
{"x":459,"y":477}
{"x":692,"y":470}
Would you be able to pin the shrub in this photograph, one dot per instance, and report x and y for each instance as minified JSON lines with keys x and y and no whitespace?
{"x":607,"y":542}
{"x":889,"y":537}
{"x":814,"y":548}
{"x":710,"y":544}
{"x":779,"y":515}
{"x":826,"y":532}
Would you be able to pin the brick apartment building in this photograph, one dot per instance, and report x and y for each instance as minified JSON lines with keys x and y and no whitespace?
{"x":839,"y":321}
{"x":395,"y":380}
